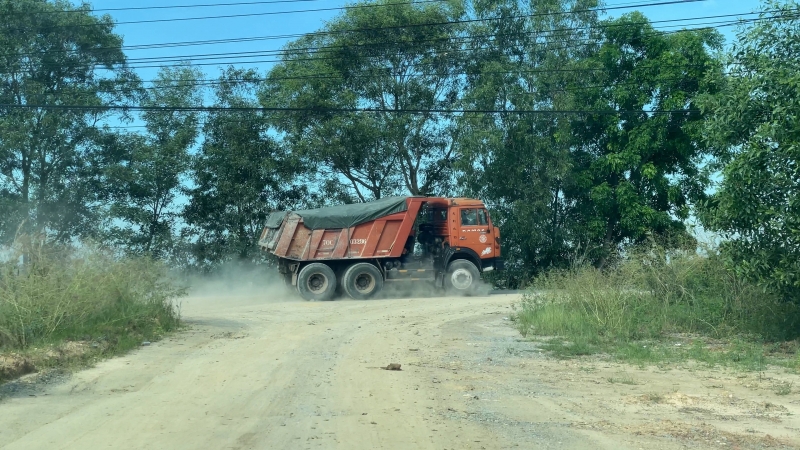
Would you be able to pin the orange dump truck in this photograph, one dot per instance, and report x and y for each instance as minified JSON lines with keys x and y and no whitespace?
{"x":359,"y":247}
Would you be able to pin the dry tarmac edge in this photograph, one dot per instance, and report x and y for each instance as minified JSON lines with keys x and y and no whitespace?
{"x":274,"y":372}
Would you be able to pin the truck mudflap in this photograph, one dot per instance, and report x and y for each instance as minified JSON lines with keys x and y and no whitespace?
{"x":439,"y":280}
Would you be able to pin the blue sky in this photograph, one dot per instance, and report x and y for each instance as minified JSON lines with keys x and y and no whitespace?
{"x":265,"y":25}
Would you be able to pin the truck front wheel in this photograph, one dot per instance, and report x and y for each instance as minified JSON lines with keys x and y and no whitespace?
{"x":462,"y":277}
{"x":362,"y":281}
{"x":316,"y":281}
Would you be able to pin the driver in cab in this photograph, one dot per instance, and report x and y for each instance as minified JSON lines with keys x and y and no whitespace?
{"x":468,"y":217}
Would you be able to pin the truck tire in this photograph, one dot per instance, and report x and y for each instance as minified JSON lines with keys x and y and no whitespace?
{"x":462,"y":277}
{"x":316,"y":281}
{"x":362,"y":281}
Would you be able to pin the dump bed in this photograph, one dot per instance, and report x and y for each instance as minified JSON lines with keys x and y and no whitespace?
{"x":378,"y":229}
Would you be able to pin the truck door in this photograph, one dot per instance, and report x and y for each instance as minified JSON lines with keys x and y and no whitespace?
{"x":475,"y":232}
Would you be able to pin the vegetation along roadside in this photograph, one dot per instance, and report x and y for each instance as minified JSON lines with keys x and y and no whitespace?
{"x":661,"y":307}
{"x":737,"y":303}
{"x":67,"y":307}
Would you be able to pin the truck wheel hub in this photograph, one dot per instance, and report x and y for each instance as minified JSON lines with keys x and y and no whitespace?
{"x":317,"y":282}
{"x":365,"y":283}
{"x":461,"y":279}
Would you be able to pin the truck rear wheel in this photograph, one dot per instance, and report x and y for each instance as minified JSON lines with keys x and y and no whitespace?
{"x":316,"y":281}
{"x":362,"y":281}
{"x":462,"y":277}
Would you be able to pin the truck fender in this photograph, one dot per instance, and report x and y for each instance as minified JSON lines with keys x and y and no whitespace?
{"x":461,"y":253}
{"x":289,"y":268}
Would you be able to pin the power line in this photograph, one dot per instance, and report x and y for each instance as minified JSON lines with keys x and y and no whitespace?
{"x":335,"y":110}
{"x":134,"y":8}
{"x":287,"y":36}
{"x":317,"y":50}
{"x":215,"y":82}
{"x":279,"y":53}
{"x":277,"y":13}
{"x":258,"y":14}
{"x":318,"y":76}
{"x":454,"y":22}
{"x":517,"y":72}
{"x":472,"y":111}
{"x":282,"y":52}
{"x":572,"y":89}
{"x":156,"y":62}
{"x":253,"y":54}
{"x":148,"y":8}
{"x":629,"y":5}
{"x":577,"y":44}
{"x":212,"y":82}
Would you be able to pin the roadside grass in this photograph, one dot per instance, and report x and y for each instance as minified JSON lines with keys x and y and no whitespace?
{"x":657,"y":308}
{"x":68,"y":307}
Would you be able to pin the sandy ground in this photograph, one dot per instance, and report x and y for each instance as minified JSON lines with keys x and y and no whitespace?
{"x":260,"y":372}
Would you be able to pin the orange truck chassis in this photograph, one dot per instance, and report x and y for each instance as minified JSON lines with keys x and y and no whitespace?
{"x":357,"y":248}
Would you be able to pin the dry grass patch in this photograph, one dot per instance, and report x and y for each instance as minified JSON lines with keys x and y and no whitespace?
{"x":68,"y":306}
{"x":661,"y":307}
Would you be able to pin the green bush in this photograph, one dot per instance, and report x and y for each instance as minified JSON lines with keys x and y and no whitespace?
{"x":64,"y":293}
{"x":650,"y":296}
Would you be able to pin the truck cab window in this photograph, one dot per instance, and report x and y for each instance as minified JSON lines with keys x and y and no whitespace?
{"x":482,"y":217}
{"x":439,"y":215}
{"x":469,"y":217}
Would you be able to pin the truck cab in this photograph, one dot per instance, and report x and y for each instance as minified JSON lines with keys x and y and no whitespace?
{"x":454,"y":241}
{"x":465,"y":229}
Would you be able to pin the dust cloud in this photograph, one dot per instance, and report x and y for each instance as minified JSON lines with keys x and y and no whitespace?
{"x":423,"y":289}
{"x":235,"y":285}
{"x":410,"y":289}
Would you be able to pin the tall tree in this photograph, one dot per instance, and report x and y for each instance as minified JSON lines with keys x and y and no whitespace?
{"x":239,"y":176}
{"x":591,"y":169}
{"x":637,"y":156}
{"x":755,"y":128}
{"x":387,"y":56}
{"x":54,"y":55}
{"x":519,"y":162}
{"x":151,"y":171}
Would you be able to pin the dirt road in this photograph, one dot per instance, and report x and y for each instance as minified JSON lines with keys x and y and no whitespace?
{"x":264,"y":373}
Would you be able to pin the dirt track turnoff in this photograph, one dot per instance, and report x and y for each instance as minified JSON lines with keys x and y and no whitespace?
{"x":260,"y":373}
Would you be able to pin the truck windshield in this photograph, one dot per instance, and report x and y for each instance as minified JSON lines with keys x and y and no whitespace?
{"x":483,"y":218}
{"x":474,"y":217}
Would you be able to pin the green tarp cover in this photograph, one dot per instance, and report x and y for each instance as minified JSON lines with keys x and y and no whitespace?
{"x":274,"y":219}
{"x":344,"y":216}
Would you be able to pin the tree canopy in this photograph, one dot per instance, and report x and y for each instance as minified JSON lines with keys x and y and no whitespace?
{"x":754,"y":125}
{"x":392,"y":63}
{"x":585,"y":132}
{"x":54,"y":54}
